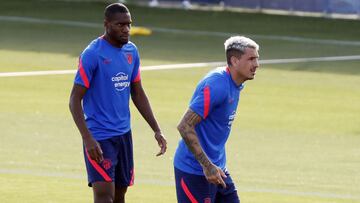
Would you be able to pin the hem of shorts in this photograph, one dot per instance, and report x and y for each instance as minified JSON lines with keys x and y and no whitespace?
{"x":124,"y":185}
{"x":90,"y":183}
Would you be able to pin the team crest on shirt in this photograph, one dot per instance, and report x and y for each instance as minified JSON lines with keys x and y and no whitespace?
{"x":231,"y":100}
{"x":129,"y":58}
{"x":106,"y":163}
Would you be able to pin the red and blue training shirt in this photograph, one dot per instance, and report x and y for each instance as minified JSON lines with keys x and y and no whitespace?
{"x":215,"y":99}
{"x":107,"y":72}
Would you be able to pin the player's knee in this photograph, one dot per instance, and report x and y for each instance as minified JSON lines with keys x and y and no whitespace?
{"x":103,"y":196}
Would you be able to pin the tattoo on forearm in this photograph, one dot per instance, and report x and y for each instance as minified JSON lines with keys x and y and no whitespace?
{"x":203,"y":159}
{"x":187,"y":131}
{"x":192,"y":118}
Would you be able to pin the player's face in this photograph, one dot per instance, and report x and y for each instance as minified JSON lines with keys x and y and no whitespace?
{"x":247,"y":64}
{"x":118,"y":27}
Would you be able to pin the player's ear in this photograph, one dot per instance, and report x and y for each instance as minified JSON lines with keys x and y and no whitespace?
{"x":106,"y":23}
{"x":233,"y":60}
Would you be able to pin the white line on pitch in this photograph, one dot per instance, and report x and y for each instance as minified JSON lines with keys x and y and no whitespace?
{"x":189,"y":65}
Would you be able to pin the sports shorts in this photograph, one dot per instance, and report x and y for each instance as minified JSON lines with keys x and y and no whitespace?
{"x":117,"y":165}
{"x":192,"y":188}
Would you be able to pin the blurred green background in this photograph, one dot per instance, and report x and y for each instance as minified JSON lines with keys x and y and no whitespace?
{"x":295,"y":139}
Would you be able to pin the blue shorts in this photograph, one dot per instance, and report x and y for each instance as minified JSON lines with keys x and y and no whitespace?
{"x":192,"y":188}
{"x":118,"y":163}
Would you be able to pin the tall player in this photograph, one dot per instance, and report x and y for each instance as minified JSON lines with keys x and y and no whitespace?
{"x":108,"y":74}
{"x":200,"y":161}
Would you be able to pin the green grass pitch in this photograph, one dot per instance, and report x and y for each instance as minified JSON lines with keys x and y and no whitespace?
{"x":295,"y":138}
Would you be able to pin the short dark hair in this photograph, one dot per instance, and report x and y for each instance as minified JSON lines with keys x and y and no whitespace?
{"x":232,"y":52}
{"x":111,"y":9}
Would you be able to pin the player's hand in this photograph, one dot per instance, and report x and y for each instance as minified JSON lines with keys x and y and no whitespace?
{"x":214,"y":175}
{"x":161,"y":142}
{"x":93,"y":148}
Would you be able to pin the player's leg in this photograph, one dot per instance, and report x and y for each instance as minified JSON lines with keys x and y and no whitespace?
{"x":192,"y":188}
{"x":120,"y":194}
{"x":101,"y":175}
{"x":125,"y":167}
{"x":228,"y":194}
{"x":104,"y":192}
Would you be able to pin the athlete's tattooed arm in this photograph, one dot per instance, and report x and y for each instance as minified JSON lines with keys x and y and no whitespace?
{"x":186,"y":128}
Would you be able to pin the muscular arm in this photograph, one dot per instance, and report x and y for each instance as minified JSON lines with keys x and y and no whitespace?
{"x":142,"y":103}
{"x":186,"y":128}
{"x":92,"y":147}
{"x":187,"y":131}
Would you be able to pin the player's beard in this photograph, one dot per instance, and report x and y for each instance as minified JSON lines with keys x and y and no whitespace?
{"x":122,"y":39}
{"x":118,"y":38}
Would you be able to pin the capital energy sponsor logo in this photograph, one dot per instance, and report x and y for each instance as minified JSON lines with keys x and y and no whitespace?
{"x":121,"y":81}
{"x":231,"y":119}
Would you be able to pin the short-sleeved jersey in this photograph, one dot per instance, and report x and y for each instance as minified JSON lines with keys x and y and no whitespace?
{"x":107,"y":72}
{"x":215,"y":100}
